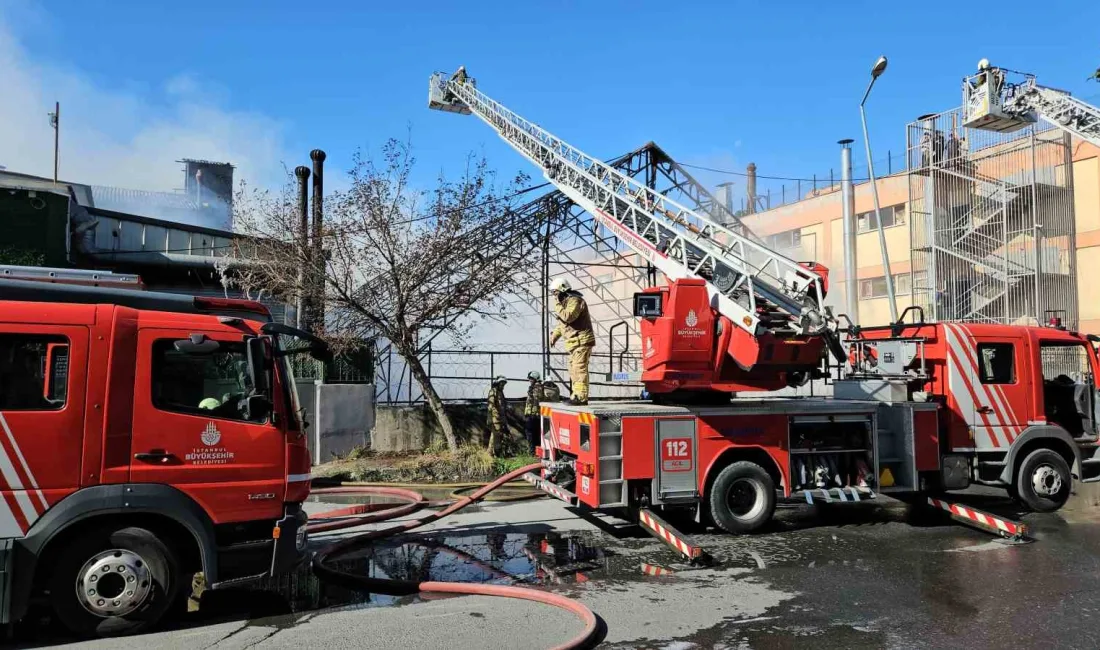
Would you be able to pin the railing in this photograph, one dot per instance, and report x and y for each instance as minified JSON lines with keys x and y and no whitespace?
{"x":777,"y":191}
{"x":466,"y":374}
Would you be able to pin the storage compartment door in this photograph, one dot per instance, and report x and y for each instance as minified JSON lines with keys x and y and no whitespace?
{"x":676,"y":458}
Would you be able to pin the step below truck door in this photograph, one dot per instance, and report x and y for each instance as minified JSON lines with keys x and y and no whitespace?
{"x":189,"y":430}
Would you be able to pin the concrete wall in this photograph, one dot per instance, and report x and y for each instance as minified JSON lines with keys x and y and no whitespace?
{"x":412,"y":428}
{"x":342,"y":418}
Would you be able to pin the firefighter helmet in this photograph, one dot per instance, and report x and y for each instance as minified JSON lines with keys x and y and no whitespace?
{"x":559,"y":286}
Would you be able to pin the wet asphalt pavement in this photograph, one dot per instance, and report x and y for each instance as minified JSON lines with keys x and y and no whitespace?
{"x":876,"y":575}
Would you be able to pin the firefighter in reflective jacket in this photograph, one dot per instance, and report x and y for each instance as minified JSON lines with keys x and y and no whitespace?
{"x":575,"y":325}
{"x":531,"y":410}
{"x":497,"y":420}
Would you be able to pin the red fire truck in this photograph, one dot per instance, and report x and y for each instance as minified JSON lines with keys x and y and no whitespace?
{"x":919,"y":407}
{"x":144,"y":437}
{"x":924,"y":407}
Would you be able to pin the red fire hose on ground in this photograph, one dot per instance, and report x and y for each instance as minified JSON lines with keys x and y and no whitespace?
{"x":359,"y":515}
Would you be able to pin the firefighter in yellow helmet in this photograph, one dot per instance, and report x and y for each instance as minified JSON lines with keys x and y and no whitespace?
{"x":575,"y":325}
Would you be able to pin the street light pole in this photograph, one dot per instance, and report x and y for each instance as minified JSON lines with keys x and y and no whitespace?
{"x":878,"y":69}
{"x":55,"y":122}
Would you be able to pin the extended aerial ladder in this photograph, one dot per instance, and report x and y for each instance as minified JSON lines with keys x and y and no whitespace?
{"x":994,"y":101}
{"x":755,"y":288}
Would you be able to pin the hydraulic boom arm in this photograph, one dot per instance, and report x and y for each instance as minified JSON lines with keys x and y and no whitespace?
{"x":754,"y":287}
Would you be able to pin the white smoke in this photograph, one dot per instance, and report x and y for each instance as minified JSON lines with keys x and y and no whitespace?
{"x":122,"y":138}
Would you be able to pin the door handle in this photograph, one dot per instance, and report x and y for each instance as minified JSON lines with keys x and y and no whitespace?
{"x":154,"y":456}
{"x":985,"y":409}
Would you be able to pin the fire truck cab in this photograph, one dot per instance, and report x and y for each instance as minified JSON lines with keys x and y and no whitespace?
{"x":923,"y":408}
{"x":144,"y":437}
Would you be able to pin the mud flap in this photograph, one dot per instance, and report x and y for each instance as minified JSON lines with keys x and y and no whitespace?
{"x":290,"y":541}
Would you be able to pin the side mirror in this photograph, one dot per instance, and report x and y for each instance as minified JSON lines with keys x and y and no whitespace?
{"x":318,"y":349}
{"x":255,"y":408}
{"x":258,"y":364}
{"x":196,"y":344}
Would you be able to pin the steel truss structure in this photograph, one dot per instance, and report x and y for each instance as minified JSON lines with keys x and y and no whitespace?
{"x":573,"y":244}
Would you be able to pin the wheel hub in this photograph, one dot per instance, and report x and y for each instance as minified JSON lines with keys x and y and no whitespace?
{"x":1046,"y":481}
{"x":744,"y":498}
{"x":114,"y":583}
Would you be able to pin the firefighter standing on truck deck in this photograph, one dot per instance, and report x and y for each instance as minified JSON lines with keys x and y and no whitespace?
{"x":576,"y":326}
{"x":497,"y":419}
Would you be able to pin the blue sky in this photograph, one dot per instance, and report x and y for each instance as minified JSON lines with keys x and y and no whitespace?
{"x":715,"y":83}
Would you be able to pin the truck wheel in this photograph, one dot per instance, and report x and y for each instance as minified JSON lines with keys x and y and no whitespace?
{"x":115,"y":581}
{"x":742,"y":498}
{"x":1044,"y":481}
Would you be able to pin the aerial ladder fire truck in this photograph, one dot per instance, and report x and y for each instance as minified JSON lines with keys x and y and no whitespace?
{"x":922,"y":407}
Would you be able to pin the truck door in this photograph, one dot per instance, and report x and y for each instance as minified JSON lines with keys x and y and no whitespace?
{"x":41,"y":419}
{"x":986,"y":383}
{"x":1069,"y":388}
{"x":189,"y":430}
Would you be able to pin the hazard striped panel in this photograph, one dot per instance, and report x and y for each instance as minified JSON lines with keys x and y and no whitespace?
{"x":669,"y":535}
{"x":586,"y":418}
{"x":1005,"y":527}
{"x":550,"y":488}
{"x":22,"y":502}
{"x":655,"y":571}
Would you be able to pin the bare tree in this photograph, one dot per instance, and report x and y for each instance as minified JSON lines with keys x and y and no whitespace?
{"x":400,"y":263}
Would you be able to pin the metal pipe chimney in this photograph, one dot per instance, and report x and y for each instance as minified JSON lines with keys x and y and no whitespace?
{"x":317,"y":316}
{"x":848,"y":200}
{"x":725,"y":194}
{"x":750,"y":188}
{"x":304,"y":252}
{"x":198,"y":188}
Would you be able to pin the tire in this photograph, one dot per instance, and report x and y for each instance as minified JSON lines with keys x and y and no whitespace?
{"x":1044,"y":481}
{"x":742,"y":498}
{"x":115,"y":581}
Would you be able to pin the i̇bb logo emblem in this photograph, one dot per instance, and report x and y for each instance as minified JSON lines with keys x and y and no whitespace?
{"x":210,"y":435}
{"x":676,"y":455}
{"x":690,"y":322}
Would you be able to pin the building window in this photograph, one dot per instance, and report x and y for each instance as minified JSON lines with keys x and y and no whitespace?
{"x":893,"y":215}
{"x":876,"y":287}
{"x":997,"y":363}
{"x":785,"y":239}
{"x":34,"y":372}
{"x":210,"y":385}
